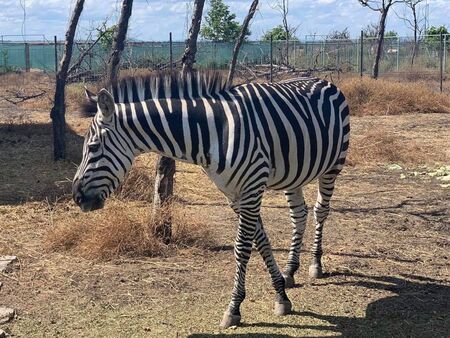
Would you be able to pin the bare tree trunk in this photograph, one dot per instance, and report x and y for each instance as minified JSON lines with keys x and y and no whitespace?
{"x":119,"y":41}
{"x":188,"y":58}
{"x":240,"y":40}
{"x":285,"y":11}
{"x":416,"y":28}
{"x":165,"y":171}
{"x":380,"y":40}
{"x":165,"y":168}
{"x":58,"y":111}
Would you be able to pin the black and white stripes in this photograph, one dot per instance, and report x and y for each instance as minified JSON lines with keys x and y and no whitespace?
{"x":248,"y":138}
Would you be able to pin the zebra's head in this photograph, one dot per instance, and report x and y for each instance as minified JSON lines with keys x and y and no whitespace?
{"x":105,"y":159}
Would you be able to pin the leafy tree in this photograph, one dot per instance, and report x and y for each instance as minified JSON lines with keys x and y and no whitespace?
{"x":278,"y":33}
{"x":106,"y":35}
{"x":220,"y":25}
{"x":433,"y":34}
{"x":391,"y":34}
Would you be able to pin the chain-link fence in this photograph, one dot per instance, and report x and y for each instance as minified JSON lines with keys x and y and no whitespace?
{"x":344,"y":55}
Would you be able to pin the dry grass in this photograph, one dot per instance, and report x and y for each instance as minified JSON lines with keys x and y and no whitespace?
{"x":382,"y":97}
{"x":139,"y":183}
{"x":378,"y":146}
{"x":118,"y":231}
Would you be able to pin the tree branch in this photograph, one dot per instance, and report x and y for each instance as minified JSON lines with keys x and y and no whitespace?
{"x":83,"y":55}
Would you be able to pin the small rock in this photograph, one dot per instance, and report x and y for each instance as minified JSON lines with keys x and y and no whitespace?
{"x":394,"y":167}
{"x":5,"y":261}
{"x":6,"y":314}
{"x":3,"y":334}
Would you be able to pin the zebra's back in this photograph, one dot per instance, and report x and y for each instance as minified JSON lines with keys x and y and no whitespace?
{"x":301,"y":125}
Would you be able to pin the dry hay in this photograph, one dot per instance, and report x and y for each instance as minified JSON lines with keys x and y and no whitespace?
{"x":378,"y":146}
{"x":122,"y":229}
{"x":367,"y":96}
{"x":140,"y":181}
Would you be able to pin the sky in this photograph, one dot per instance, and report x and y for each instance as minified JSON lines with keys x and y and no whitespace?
{"x":152,"y":20}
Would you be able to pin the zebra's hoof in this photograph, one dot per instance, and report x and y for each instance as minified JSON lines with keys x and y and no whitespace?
{"x":289,"y":281}
{"x":229,"y":320}
{"x":283,"y":308}
{"x":315,"y":271}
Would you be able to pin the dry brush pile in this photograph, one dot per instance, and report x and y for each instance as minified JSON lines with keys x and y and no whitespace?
{"x":126,"y":227}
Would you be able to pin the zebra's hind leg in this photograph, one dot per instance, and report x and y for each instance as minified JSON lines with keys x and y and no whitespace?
{"x":321,"y":211}
{"x":299,"y":213}
{"x":283,"y":305}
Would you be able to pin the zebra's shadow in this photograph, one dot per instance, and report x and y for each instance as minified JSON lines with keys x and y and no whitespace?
{"x":419,"y":308}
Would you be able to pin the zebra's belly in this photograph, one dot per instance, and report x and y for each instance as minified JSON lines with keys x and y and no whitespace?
{"x":296,"y":172}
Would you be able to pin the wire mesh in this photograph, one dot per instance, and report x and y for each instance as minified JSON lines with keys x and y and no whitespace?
{"x":340,"y":55}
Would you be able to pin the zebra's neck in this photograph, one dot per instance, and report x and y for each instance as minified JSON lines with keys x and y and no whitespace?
{"x":164,"y":126}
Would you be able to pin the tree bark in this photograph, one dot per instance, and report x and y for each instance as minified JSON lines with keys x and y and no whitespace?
{"x":188,"y":58}
{"x":380,"y":40}
{"x":416,"y":28}
{"x":165,"y":168}
{"x":240,"y":40}
{"x":119,"y":41}
{"x":58,"y":111}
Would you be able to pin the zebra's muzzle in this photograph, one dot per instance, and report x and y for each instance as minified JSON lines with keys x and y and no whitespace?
{"x":86,"y":203}
{"x":92,"y":204}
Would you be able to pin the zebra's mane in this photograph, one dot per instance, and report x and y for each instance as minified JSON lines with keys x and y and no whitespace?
{"x":160,"y":85}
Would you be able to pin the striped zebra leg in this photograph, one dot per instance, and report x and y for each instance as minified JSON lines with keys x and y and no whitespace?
{"x":299,"y":213}
{"x":248,"y":211}
{"x":283,"y":305}
{"x":321,"y":211}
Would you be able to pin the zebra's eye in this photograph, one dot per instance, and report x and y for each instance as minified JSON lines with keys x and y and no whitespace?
{"x":94,"y":146}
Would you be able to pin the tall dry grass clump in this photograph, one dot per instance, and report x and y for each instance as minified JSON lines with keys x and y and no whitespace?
{"x":367,"y":96}
{"x":121,"y":230}
{"x":139,"y":183}
{"x":378,"y":146}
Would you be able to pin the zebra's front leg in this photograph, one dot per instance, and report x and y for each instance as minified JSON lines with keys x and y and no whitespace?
{"x":321,"y":211}
{"x":283,"y":305}
{"x":299,"y":213}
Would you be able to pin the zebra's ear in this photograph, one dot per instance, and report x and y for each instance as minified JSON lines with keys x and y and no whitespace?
{"x":90,"y":96}
{"x":106,"y":103}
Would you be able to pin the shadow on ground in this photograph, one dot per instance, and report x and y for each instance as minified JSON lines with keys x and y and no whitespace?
{"x":419,"y":307}
{"x":27,"y":170}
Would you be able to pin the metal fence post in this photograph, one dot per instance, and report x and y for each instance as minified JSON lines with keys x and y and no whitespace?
{"x":27,"y":57}
{"x":445,"y":53}
{"x":56,"y":53}
{"x":170,"y":51}
{"x":271,"y":58}
{"x":323,"y":54}
{"x":441,"y":59}
{"x":306,"y":53}
{"x":338,"y":61}
{"x":398,"y":53}
{"x":361,"y":51}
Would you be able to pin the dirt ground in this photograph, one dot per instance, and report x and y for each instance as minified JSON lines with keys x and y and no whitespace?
{"x":386,"y":250}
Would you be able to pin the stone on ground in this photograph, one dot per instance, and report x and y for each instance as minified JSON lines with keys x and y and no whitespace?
{"x":6,"y":314}
{"x":5,"y":261}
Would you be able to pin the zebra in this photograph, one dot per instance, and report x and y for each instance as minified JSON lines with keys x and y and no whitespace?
{"x":247,"y":138}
